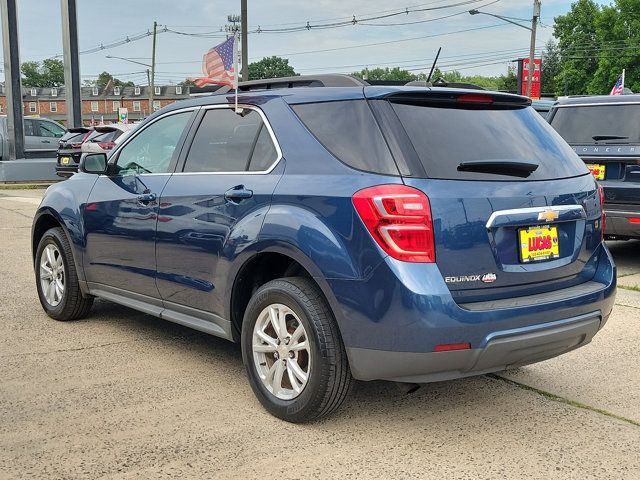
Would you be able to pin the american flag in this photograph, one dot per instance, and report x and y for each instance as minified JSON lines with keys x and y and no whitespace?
{"x":618,"y":88}
{"x":218,"y":65}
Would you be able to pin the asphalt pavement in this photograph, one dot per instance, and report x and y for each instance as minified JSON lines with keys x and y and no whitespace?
{"x":122,"y":394}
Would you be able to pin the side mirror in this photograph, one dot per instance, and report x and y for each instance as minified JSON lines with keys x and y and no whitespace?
{"x":93,"y":163}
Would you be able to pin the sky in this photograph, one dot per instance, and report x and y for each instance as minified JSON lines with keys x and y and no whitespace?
{"x":485,"y":48}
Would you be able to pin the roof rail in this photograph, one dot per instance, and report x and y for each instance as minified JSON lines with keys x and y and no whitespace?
{"x":329,"y":80}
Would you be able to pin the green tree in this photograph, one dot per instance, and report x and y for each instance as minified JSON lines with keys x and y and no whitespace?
{"x":103,"y":80}
{"x":270,"y":67}
{"x":395,"y":73}
{"x":49,"y":73}
{"x":508,"y":82}
{"x":551,"y":64}
{"x":578,"y":42}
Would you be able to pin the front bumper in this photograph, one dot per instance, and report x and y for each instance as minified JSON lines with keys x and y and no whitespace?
{"x":392,"y":334}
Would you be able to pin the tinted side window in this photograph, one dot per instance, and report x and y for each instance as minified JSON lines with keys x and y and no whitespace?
{"x":228,"y":142}
{"x":152,"y":149}
{"x":348,"y":130}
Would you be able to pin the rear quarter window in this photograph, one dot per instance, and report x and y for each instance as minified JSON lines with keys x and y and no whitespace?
{"x":350,"y":132}
{"x":445,"y":137}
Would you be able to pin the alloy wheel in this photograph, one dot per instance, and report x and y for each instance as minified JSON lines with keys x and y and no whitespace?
{"x":52,"y":275}
{"x":281,"y":351}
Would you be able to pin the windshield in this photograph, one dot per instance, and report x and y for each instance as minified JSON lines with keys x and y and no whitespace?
{"x":455,"y":143}
{"x":579,"y":125}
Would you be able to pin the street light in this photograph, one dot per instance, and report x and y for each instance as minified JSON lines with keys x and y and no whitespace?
{"x":532,"y":29}
{"x":148,"y":76}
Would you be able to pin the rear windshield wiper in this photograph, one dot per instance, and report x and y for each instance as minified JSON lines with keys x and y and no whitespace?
{"x":499,"y":167}
{"x":597,"y":138}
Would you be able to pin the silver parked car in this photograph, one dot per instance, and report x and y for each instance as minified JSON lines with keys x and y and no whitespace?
{"x":41,"y":137}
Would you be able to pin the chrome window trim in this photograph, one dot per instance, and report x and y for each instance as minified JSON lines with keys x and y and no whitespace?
{"x":531,"y":210}
{"x":274,"y":140}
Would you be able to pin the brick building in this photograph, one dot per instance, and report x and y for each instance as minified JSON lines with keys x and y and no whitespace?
{"x":97,"y":104}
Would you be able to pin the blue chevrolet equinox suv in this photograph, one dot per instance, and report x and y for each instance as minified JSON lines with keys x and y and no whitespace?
{"x":339,"y":231}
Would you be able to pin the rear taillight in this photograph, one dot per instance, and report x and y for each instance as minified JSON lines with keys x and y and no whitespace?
{"x":604,"y":216}
{"x":76,"y":145}
{"x":106,"y":145}
{"x":399,"y":219}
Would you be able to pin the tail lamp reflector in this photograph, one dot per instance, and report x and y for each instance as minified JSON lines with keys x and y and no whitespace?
{"x":634,"y":220}
{"x":448,"y":347}
{"x":399,"y":219}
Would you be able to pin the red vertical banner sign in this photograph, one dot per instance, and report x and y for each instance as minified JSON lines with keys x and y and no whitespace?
{"x":535,"y":79}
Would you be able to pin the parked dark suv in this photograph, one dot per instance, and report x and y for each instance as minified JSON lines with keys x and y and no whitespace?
{"x":410,"y":234}
{"x":605,"y":132}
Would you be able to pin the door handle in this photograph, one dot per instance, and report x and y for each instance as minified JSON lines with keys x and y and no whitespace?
{"x":146,"y":198}
{"x":238,"y":193}
{"x":45,"y":141}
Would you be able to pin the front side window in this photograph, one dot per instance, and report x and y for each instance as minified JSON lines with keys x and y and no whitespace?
{"x":50,"y":129}
{"x":227,"y":142}
{"x":152,"y":150}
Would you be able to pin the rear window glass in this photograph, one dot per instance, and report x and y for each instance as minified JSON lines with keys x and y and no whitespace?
{"x":446,"y":137}
{"x":348,"y":130}
{"x":107,"y":136}
{"x":578,"y":125}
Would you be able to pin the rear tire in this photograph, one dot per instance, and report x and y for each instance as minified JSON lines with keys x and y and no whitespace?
{"x":314,"y":373}
{"x":57,"y":279}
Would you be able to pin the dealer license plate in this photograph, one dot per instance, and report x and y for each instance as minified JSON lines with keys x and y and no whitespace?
{"x":538,"y":243}
{"x":596,"y":170}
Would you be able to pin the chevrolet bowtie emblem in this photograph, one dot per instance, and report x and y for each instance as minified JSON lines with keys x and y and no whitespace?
{"x":548,"y":215}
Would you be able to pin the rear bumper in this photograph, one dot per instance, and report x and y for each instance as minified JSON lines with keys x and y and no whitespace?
{"x":391,"y":327}
{"x":618,"y":224}
{"x":502,"y":351}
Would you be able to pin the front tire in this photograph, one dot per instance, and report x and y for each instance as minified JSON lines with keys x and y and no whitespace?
{"x":57,"y":279}
{"x":293,"y":352}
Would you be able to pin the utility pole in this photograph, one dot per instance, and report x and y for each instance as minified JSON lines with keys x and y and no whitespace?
{"x":532,"y":48}
{"x":245,"y":49}
{"x":152,"y":81}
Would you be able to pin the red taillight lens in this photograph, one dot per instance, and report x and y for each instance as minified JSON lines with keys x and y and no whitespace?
{"x":604,"y":216}
{"x":106,"y":145}
{"x":634,"y":220}
{"x":399,"y":219}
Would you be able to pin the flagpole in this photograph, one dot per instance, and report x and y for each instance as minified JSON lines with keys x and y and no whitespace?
{"x":235,"y":61}
{"x":623,"y":71}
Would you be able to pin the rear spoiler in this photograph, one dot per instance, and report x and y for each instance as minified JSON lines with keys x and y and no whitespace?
{"x":460,"y":98}
{"x":79,"y":130}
